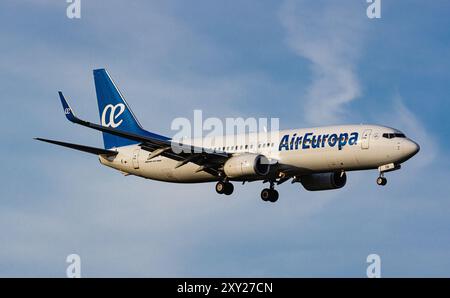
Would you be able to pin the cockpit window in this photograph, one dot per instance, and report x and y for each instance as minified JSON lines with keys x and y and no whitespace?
{"x":393,"y":135}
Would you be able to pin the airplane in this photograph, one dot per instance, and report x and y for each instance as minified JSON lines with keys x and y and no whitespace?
{"x":318,"y":158}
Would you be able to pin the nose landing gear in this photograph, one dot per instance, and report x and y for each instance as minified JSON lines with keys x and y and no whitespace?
{"x":381,"y":181}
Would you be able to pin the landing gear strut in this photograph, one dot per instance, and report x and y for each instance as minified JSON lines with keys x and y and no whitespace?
{"x":224,"y":187}
{"x":381,"y":180}
{"x":269,"y":194}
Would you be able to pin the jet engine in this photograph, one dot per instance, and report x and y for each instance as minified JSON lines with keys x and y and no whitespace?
{"x":246,"y":166}
{"x":324,"y":181}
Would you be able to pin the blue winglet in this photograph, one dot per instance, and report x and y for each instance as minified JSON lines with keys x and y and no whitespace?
{"x":67,"y":109}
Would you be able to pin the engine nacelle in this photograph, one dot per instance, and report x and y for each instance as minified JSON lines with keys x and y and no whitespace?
{"x":246,"y":165}
{"x":324,"y":181}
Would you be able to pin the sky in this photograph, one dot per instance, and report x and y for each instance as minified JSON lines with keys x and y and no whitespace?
{"x":309,"y":63}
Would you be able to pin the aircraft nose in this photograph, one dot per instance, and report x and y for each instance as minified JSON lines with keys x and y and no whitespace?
{"x":410,"y":148}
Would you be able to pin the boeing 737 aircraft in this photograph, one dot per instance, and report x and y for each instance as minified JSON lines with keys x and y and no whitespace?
{"x":318,"y":158}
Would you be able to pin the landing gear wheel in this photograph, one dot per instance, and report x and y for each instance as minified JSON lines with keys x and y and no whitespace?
{"x":265,"y":194}
{"x":220,"y":187}
{"x":224,"y":188}
{"x":274,"y":196}
{"x":228,"y":188}
{"x":381,"y":181}
{"x":269,"y":195}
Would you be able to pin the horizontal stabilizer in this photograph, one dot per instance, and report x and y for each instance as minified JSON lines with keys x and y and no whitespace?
{"x":83,"y":148}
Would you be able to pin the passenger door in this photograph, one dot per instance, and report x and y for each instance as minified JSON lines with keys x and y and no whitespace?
{"x":135,"y":159}
{"x":365,"y":139}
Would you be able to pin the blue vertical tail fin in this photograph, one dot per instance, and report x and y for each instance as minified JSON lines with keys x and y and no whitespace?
{"x":114,"y":111}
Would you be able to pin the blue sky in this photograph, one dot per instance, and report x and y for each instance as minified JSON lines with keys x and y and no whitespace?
{"x":307,"y":62}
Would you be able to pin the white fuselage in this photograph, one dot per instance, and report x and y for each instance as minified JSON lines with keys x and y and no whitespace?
{"x":306,"y":150}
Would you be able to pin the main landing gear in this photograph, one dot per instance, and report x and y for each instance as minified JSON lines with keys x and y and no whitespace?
{"x":224,"y":187}
{"x":269,"y":194}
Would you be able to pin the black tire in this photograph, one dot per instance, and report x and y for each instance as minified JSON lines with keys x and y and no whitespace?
{"x":265,"y":194}
{"x":221,"y":187}
{"x":274,"y":195}
{"x":381,"y":181}
{"x":229,"y":188}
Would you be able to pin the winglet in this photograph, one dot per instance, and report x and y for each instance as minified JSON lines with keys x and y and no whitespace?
{"x":67,"y":109}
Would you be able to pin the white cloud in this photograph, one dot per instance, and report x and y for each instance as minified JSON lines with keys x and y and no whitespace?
{"x":403,"y":118}
{"x":330,"y":36}
{"x":127,"y":225}
{"x":57,"y":201}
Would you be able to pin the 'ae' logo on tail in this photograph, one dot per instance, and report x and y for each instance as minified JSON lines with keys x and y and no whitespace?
{"x":114,"y":113}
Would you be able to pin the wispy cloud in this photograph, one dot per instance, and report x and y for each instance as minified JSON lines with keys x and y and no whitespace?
{"x":153,"y":67}
{"x":56,"y":201}
{"x":330,"y":36}
{"x":406,"y":120}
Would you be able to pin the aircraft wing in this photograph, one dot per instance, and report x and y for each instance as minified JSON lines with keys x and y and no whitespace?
{"x":159,"y":145}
